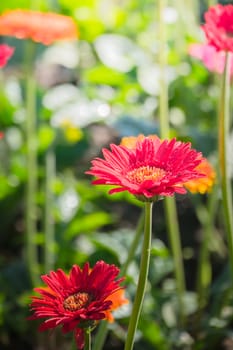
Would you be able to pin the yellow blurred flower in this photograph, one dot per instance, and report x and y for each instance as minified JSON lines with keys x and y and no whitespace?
{"x":203,"y":184}
{"x":72,"y":133}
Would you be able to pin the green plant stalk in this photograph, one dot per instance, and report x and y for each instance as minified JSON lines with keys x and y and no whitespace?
{"x":49,"y":247}
{"x":87,"y":339}
{"x":31,"y":152}
{"x":144,"y":268}
{"x":211,"y":2}
{"x":103,"y":327}
{"x":205,"y":215}
{"x":174,"y":239}
{"x":169,"y":203}
{"x":224,"y":127}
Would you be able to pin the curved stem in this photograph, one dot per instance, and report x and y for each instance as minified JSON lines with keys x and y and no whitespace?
{"x":170,"y":205}
{"x":144,"y":267}
{"x":103,"y":327}
{"x":31,"y":149}
{"x":134,"y":244}
{"x":224,"y":126}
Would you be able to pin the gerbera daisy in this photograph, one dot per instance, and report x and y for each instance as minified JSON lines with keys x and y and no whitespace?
{"x":77,"y":301}
{"x":218,"y":27}
{"x":152,"y":168}
{"x":5,"y":54}
{"x":42,"y":27}
{"x":203,"y":184}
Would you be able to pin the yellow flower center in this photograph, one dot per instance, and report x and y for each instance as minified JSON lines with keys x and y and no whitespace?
{"x":145,"y":173}
{"x":77,"y":301}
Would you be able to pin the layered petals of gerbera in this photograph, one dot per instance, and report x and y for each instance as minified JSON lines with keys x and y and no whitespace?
{"x":203,"y":184}
{"x":153,"y":168}
{"x":76,"y":301}
{"x":5,"y":54}
{"x":218,"y":27}
{"x":41,"y":27}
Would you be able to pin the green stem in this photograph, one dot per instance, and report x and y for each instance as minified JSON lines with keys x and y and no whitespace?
{"x":87,"y":339}
{"x":224,"y":126}
{"x":144,"y":267}
{"x":49,"y":221}
{"x":170,"y":205}
{"x":211,"y":2}
{"x":31,"y":149}
{"x":174,"y":239}
{"x":134,"y":244}
{"x":103,"y":327}
{"x":101,"y":335}
{"x":206,"y":218}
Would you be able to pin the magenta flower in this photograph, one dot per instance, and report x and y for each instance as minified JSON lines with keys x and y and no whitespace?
{"x":218,"y":27}
{"x":152,"y":168}
{"x":5,"y":54}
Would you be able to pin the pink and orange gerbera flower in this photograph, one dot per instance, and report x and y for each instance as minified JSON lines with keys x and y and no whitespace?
{"x":151,"y":169}
{"x":79,"y":300}
{"x":41,"y":27}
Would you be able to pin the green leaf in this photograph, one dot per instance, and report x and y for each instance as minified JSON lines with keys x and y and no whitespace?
{"x":87,"y":223}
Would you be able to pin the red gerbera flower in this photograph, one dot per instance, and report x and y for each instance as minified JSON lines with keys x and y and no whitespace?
{"x":219,"y":27}
{"x":76,"y":301}
{"x":42,"y":27}
{"x":5,"y":53}
{"x":152,"y":168}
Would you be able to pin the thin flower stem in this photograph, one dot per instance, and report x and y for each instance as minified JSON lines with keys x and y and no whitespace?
{"x":211,"y":2}
{"x":103,"y":327}
{"x":144,"y":268}
{"x":205,"y":215}
{"x":134,"y":244}
{"x":170,"y":205}
{"x":31,"y":149}
{"x":87,"y":339}
{"x":174,"y":239}
{"x":49,"y":221}
{"x":224,"y":127}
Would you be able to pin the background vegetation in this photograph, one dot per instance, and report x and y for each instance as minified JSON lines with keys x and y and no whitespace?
{"x":92,"y":92}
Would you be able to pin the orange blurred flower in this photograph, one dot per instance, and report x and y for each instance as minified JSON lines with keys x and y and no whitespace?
{"x":42,"y":27}
{"x":118,"y":299}
{"x":203,"y":184}
{"x":130,"y":141}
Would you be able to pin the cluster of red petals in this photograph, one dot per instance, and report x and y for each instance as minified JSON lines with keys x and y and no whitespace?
{"x":76,"y":301}
{"x":218,"y":27}
{"x":5,"y":54}
{"x":42,"y":27}
{"x":213,"y":60}
{"x":152,"y":168}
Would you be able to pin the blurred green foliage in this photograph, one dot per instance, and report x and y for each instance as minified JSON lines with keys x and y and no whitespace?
{"x":109,"y":88}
